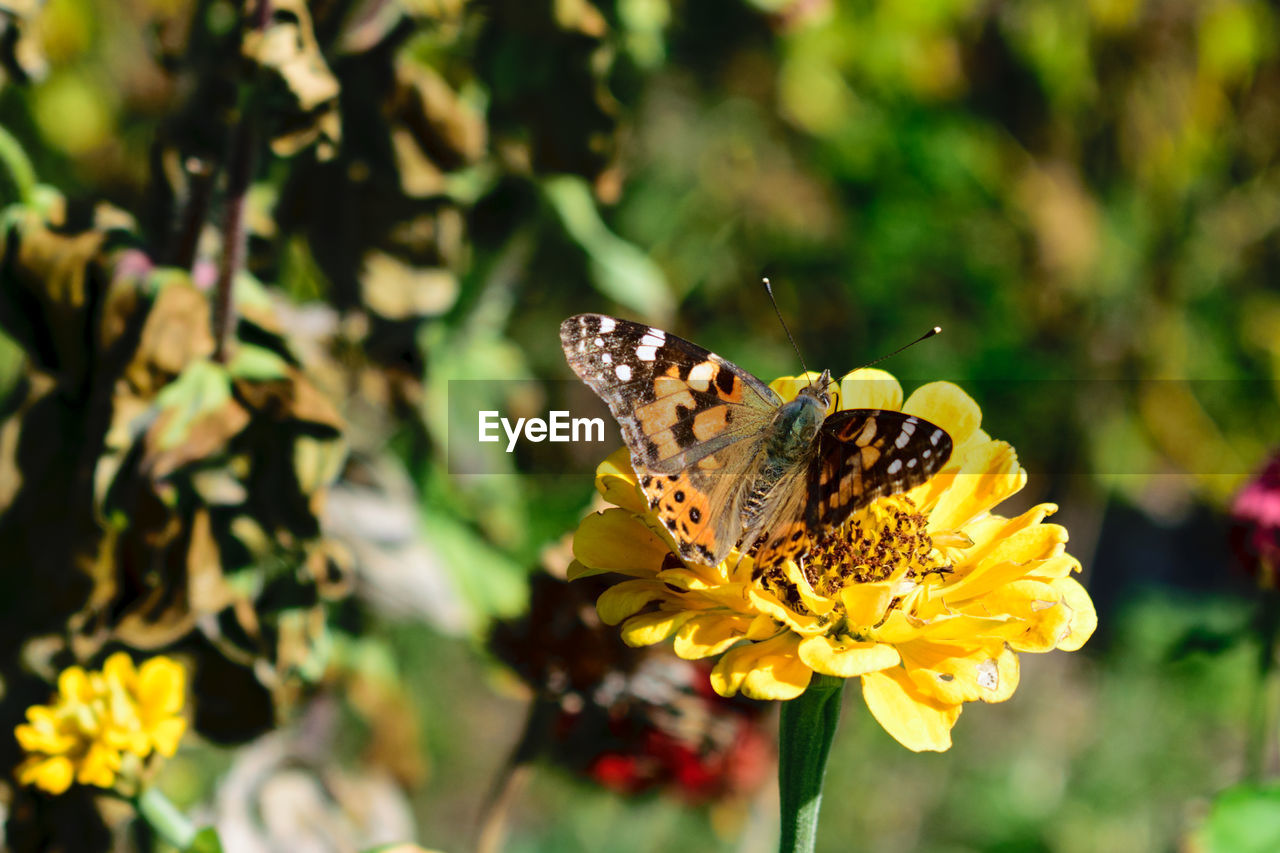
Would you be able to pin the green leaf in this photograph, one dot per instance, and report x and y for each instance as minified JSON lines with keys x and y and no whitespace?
{"x":203,"y":387}
{"x":619,"y":270}
{"x":257,"y":363}
{"x":1243,"y":819}
{"x":206,"y":841}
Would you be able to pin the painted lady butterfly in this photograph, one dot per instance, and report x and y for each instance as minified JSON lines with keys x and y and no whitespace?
{"x":725,"y":461}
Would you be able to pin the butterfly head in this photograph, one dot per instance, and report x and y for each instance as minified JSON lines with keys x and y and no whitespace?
{"x":819,"y":389}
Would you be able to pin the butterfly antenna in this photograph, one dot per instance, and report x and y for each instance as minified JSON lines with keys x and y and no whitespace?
{"x":929,"y":334}
{"x":768,"y":288}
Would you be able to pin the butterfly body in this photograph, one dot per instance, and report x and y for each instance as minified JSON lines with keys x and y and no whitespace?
{"x":724,"y":461}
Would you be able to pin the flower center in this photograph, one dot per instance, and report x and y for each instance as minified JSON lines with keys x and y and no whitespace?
{"x":887,"y":541}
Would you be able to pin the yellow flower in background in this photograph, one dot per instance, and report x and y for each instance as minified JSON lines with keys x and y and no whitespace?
{"x":98,"y":719}
{"x":927,"y":596}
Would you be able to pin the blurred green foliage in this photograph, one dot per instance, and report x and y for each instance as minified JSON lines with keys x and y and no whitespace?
{"x":1086,"y":195}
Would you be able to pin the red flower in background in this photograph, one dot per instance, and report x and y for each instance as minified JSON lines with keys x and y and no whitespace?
{"x":1255,"y":532}
{"x":631,"y":720}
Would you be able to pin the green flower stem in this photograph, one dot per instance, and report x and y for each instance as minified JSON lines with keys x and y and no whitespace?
{"x":806,"y":729}
{"x":1261,"y":742}
{"x":165,"y":818}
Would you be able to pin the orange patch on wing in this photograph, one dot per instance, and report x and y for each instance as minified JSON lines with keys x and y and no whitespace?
{"x":664,"y":413}
{"x":664,"y":386}
{"x":665,"y":444}
{"x":868,"y":433}
{"x":710,"y":423}
{"x":869,"y":456}
{"x":684,"y":509}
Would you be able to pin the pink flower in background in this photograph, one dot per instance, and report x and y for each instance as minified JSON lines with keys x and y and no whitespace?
{"x":1255,"y":533}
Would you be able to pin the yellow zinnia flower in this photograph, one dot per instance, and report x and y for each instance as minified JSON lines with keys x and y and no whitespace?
{"x":98,"y":718}
{"x":926,"y":596}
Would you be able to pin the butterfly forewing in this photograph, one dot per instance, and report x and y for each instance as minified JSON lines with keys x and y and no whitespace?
{"x":675,"y":401}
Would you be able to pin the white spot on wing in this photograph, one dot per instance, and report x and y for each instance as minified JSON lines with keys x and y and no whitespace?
{"x":936,"y":437}
{"x":911,"y":463}
{"x":653,"y":338}
{"x":607,"y":325}
{"x":623,"y":371}
{"x":895,"y":466}
{"x":646,"y":353}
{"x":606,"y":358}
{"x":903,"y":438}
{"x":700,"y":376}
{"x":599,"y":342}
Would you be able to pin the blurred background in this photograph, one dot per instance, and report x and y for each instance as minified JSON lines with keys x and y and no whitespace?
{"x":1085,"y":195}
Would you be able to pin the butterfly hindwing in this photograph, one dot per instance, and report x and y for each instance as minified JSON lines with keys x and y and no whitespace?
{"x":700,"y":506}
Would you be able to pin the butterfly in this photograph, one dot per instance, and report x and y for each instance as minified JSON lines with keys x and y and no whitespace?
{"x":725,"y":462}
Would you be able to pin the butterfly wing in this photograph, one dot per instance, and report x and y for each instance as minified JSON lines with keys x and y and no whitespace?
{"x":692,"y":421}
{"x":675,"y":401}
{"x":861,"y":455}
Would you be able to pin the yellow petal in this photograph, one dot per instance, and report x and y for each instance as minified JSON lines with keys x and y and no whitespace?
{"x":991,"y":531}
{"x":161,"y":686}
{"x":916,"y":721}
{"x":74,"y":685}
{"x":615,"y":541}
{"x":763,"y":626}
{"x":944,"y":404}
{"x":1061,"y":566}
{"x":764,"y":601}
{"x":954,"y":675}
{"x":869,"y":388}
{"x":42,"y":733}
{"x":704,"y":636}
{"x":630,"y":597}
{"x":1034,"y":606}
{"x":98,"y":766}
{"x":898,"y":628}
{"x":977,"y":483}
{"x":166,"y":734}
{"x":980,"y":580}
{"x":118,"y":669}
{"x":1037,"y":542}
{"x":865,"y":603}
{"x":577,"y":570}
{"x":1084,"y":619}
{"x":780,"y":677}
{"x":50,"y":774}
{"x":768,"y":670}
{"x":650,"y":628}
{"x":616,"y":482}
{"x":846,"y":658}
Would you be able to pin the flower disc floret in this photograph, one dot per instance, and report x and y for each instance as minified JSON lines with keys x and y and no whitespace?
{"x":926,"y":596}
